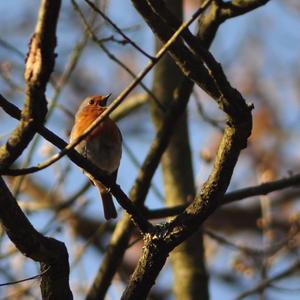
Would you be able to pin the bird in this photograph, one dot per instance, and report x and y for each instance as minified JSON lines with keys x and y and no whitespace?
{"x":103,"y":146}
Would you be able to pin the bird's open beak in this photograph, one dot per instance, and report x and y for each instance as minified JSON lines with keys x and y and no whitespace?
{"x":104,"y":101}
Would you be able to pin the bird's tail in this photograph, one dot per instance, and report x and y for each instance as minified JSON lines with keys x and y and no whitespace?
{"x":108,"y":204}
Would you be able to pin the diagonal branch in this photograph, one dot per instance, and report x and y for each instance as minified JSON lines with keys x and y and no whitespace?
{"x":85,"y":164}
{"x":170,"y":235}
{"x":207,"y":72}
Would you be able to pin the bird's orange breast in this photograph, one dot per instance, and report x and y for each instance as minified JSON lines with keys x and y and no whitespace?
{"x":106,"y":129}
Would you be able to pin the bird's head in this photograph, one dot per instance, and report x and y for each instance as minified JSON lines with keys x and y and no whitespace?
{"x":94,"y":102}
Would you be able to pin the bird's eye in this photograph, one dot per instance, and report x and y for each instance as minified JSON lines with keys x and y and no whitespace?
{"x":99,"y":103}
{"x":92,"y":101}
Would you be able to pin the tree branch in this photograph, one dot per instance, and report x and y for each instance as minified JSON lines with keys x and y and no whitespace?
{"x":236,"y":8}
{"x":170,"y":235}
{"x":39,"y":65}
{"x":238,"y":129}
{"x":178,"y":177}
{"x":144,"y":225}
{"x":82,"y":162}
{"x":237,"y":195}
{"x":267,"y":282}
{"x":51,"y":254}
{"x":117,"y":29}
{"x":98,"y":42}
{"x":121,"y":234}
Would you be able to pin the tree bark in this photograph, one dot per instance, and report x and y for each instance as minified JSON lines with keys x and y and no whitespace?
{"x":188,"y":258}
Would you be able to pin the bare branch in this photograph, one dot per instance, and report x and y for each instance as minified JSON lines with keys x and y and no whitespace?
{"x":271,"y":250}
{"x":70,"y":66}
{"x":237,"y":195}
{"x":262,"y":189}
{"x":267,"y":282}
{"x":236,"y":8}
{"x":107,"y":19}
{"x":237,"y":131}
{"x":51,"y":254}
{"x":25,"y":279}
{"x":129,"y":106}
{"x":122,"y":232}
{"x":39,"y":65}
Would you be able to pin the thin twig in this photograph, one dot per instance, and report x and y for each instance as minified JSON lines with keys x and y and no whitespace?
{"x":11,"y":47}
{"x":267,"y":282}
{"x":25,"y":279}
{"x":136,"y":163}
{"x":271,"y":250}
{"x":95,"y":8}
{"x":237,"y":195}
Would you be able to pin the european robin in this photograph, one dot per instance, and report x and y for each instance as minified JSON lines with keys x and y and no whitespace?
{"x":103,"y":146}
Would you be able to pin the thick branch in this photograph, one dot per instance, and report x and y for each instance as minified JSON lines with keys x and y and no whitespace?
{"x":212,"y":192}
{"x":235,"y":137}
{"x":187,"y":259}
{"x":175,"y":232}
{"x":51,"y":254}
{"x":153,"y":259}
{"x":39,"y":65}
{"x":236,"y":8}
